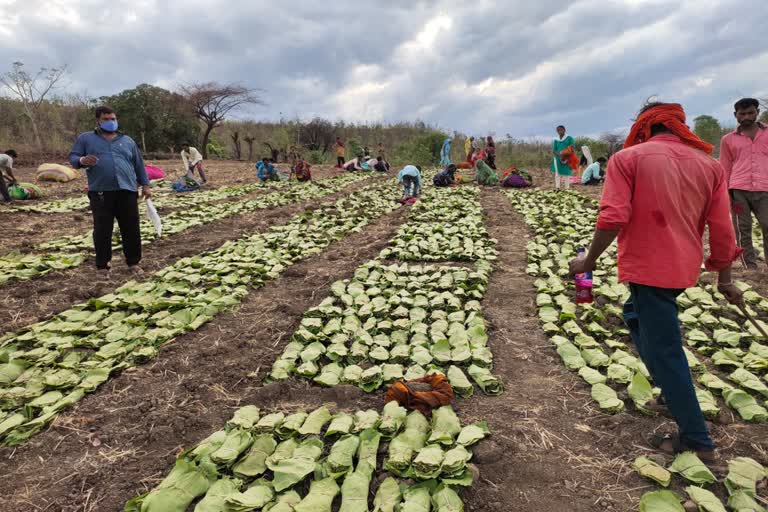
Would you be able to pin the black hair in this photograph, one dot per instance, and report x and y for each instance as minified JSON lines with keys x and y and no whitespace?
{"x":185,"y":143}
{"x":12,"y":153}
{"x":602,"y":160}
{"x":379,"y":158}
{"x":656,"y":128}
{"x":100,"y":111}
{"x":560,"y":126}
{"x":418,"y":168}
{"x":745,"y":103}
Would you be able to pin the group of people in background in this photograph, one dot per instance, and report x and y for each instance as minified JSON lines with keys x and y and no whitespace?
{"x":363,"y":161}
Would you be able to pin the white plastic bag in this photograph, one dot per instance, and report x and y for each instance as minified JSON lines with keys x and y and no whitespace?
{"x":154,"y":217}
{"x":587,"y":154}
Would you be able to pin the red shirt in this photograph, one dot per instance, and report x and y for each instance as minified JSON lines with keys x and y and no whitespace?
{"x":660,"y":195}
{"x":745,"y":160}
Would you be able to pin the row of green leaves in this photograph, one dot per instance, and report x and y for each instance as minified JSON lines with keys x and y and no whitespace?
{"x":592,"y":339}
{"x":47,"y":366}
{"x":67,"y":252}
{"x":403,"y":321}
{"x":292,"y":463}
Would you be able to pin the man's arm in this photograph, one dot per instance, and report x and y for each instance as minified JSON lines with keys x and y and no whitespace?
{"x":615,"y":213}
{"x":722,"y":242}
{"x":141,"y":172}
{"x":726,"y":159}
{"x":77,"y":152}
{"x":185,"y":160}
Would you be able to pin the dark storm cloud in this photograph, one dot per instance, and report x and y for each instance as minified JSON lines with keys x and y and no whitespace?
{"x":514,"y":67}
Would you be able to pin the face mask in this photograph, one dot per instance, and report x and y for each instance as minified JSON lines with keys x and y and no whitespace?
{"x":108,"y":126}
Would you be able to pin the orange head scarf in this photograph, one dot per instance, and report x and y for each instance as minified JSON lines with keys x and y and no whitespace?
{"x":670,"y":115}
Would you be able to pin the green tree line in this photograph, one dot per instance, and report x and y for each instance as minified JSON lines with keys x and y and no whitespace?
{"x":160,"y":120}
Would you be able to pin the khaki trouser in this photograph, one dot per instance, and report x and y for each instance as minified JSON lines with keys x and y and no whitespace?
{"x":744,"y":204}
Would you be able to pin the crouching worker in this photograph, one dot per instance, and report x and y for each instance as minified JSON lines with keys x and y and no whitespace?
{"x":485,"y":175}
{"x":302,"y":171}
{"x":446,"y":177}
{"x":593,"y":175}
{"x":193,"y":161}
{"x":6,"y":173}
{"x":265,"y":171}
{"x":410,"y":178}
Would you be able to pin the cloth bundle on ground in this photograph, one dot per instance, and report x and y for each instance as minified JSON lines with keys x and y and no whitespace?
{"x":56,"y":172}
{"x":485,"y":175}
{"x":406,"y":395}
{"x":185,"y":184}
{"x":154,"y":173}
{"x":516,"y":178}
{"x":24,"y":191}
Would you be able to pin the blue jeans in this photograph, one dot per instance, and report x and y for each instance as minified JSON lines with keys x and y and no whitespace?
{"x":410,"y":186}
{"x":651,"y":316}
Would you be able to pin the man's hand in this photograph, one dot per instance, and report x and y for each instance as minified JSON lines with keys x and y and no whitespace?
{"x":146,"y":191}
{"x":89,"y":160}
{"x":581,"y":265}
{"x":732,"y":293}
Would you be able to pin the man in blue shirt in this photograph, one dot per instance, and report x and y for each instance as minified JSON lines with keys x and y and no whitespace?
{"x":593,"y":174}
{"x":115,"y":170}
{"x":265,"y":171}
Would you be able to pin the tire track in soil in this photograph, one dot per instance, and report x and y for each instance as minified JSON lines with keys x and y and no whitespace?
{"x":27,"y":302}
{"x":558,"y":451}
{"x":121,"y":440}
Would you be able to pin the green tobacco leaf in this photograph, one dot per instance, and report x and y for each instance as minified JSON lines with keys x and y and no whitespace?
{"x":660,"y":501}
{"x":690,"y":467}
{"x":651,"y":470}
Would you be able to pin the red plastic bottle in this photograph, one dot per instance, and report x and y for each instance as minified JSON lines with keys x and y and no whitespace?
{"x":583,"y":285}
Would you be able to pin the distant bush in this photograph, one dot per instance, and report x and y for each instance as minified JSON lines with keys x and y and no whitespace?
{"x":315,"y":157}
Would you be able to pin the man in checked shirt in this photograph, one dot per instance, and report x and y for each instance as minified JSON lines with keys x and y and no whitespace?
{"x":744,"y":157}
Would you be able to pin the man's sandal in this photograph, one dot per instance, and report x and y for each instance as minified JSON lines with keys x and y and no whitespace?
{"x":671,"y":444}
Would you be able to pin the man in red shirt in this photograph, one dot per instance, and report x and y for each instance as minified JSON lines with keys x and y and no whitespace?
{"x":660,"y":193}
{"x":744,"y":157}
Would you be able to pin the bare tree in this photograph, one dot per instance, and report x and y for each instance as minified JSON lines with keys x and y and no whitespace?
{"x":250,"y":139}
{"x":213,"y":102}
{"x":236,"y":145}
{"x":32,"y":90}
{"x":614,"y":141}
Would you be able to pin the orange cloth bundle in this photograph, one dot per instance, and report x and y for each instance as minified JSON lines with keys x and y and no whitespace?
{"x":422,"y":401}
{"x":568,"y":157}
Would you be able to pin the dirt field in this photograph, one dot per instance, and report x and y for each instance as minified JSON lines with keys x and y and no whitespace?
{"x":551,"y":449}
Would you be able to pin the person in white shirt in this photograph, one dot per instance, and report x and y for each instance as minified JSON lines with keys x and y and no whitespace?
{"x":192,"y":160}
{"x":6,"y":173}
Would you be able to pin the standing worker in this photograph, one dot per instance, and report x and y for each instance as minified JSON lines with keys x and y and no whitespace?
{"x":115,"y":168}
{"x":193,"y":160}
{"x":468,"y":147}
{"x":660,"y":193}
{"x":490,"y":152}
{"x":340,"y":150}
{"x":445,"y":153}
{"x":744,"y":156}
{"x":6,"y":168}
{"x":565,"y":160}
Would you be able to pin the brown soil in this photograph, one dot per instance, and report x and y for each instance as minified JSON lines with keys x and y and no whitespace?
{"x":33,"y":300}
{"x":119,"y":441}
{"x":24,"y":230}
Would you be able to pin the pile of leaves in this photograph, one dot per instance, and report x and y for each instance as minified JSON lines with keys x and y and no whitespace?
{"x":725,"y":352}
{"x":446,"y":224}
{"x":66,"y":252}
{"x":742,"y":485}
{"x":392,"y":322}
{"x":48,"y":366}
{"x":307,"y":462}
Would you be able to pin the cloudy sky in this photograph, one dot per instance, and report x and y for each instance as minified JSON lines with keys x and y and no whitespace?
{"x":511,"y":66}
